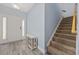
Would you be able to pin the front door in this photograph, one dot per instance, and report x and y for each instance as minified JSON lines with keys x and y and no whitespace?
{"x":14,"y":28}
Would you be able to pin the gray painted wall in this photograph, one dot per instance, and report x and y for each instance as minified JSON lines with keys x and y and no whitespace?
{"x":35,"y":24}
{"x":52,"y":15}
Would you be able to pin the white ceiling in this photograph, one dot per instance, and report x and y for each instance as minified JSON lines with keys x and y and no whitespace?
{"x":24,"y":7}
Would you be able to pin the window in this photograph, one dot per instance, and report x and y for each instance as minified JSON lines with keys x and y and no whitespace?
{"x":22,"y":27}
{"x":4,"y":27}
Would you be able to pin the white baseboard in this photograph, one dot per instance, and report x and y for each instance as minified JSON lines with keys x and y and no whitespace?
{"x":42,"y":50}
{"x":55,"y":30}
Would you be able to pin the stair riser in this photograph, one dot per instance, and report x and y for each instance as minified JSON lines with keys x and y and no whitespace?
{"x":69,"y":43}
{"x":65,"y":25}
{"x":64,"y":32}
{"x":63,"y":48}
{"x":65,"y":36}
{"x":67,"y":20}
{"x":63,"y":22}
{"x":64,"y":28}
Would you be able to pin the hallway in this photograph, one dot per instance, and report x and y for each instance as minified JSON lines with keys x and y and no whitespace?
{"x":38,"y":29}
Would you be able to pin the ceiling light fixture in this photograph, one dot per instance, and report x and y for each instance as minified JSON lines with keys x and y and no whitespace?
{"x":16,"y":6}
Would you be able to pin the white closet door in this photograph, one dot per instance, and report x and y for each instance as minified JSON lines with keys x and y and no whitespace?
{"x":14,"y":28}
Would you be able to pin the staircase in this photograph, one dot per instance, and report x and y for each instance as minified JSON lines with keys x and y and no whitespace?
{"x":64,"y":41}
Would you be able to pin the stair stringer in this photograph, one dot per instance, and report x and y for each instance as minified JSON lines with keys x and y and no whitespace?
{"x":61,"y":18}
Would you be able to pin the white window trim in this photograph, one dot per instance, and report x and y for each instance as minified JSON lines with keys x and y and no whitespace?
{"x":4,"y":27}
{"x":23,"y":27}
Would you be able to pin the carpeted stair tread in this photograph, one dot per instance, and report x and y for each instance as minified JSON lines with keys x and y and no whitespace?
{"x":55,"y":51}
{"x":65,"y":41}
{"x":63,"y":47}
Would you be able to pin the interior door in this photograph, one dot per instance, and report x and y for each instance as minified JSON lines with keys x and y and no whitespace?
{"x":14,"y":28}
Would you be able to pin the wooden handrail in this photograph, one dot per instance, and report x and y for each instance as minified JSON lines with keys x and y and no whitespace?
{"x":74,"y":25}
{"x":74,"y":21}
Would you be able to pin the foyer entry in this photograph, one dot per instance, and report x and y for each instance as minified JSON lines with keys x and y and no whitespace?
{"x":11,"y":27}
